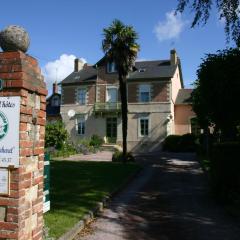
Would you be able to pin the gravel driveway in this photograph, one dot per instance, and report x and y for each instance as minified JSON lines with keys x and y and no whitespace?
{"x":169,"y":200}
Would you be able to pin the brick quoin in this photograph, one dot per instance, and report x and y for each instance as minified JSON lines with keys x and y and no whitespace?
{"x":24,"y":205}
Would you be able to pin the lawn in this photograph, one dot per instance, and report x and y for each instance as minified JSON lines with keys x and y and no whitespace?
{"x":77,"y":186}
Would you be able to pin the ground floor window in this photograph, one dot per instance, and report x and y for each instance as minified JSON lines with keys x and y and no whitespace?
{"x":143,"y":126}
{"x":195,"y":129}
{"x":81,"y":126}
{"x":111,"y":127}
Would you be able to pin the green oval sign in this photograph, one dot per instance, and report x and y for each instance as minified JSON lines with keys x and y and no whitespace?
{"x":3,"y":125}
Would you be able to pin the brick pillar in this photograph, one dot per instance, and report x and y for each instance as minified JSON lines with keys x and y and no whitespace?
{"x":21,"y":213}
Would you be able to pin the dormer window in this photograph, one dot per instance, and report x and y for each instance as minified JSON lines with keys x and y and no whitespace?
{"x":111,"y":67}
{"x":55,"y":101}
{"x":142,"y":70}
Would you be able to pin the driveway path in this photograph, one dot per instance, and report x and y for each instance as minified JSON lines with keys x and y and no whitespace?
{"x":101,"y":156}
{"x":168,"y":201}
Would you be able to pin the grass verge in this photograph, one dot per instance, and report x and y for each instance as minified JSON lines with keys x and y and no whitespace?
{"x":76,"y":187}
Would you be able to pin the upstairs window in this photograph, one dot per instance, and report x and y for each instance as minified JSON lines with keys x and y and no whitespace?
{"x":111,"y":67}
{"x":81,"y":96}
{"x":144,"y":93}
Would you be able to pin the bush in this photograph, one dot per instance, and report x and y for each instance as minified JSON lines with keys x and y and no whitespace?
{"x":56,"y":135}
{"x":83,"y":146}
{"x":66,"y":150}
{"x":177,"y":143}
{"x":224,"y":171}
{"x":187,"y":143}
{"x":171,"y":143}
{"x":118,"y":157}
{"x":96,"y":141}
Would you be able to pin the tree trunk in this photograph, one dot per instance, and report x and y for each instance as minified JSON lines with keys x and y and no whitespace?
{"x":206,"y":143}
{"x":124,"y":108}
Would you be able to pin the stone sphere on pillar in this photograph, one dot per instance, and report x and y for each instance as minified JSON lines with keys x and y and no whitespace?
{"x":14,"y":38}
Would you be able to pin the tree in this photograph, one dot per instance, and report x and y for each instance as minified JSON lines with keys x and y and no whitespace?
{"x":216,"y":94}
{"x":119,"y":45}
{"x":56,"y":135}
{"x":228,"y":10}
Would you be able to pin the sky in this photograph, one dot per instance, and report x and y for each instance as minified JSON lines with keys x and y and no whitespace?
{"x":62,"y":30}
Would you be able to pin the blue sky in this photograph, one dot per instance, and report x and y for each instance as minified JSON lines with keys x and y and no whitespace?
{"x":60,"y":30}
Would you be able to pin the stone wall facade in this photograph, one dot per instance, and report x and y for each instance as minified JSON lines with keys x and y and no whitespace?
{"x":21,"y":213}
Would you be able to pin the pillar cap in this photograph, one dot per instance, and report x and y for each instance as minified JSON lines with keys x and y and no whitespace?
{"x":14,"y":38}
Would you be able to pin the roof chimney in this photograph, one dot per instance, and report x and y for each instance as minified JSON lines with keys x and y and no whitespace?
{"x":173,"y":57}
{"x":85,"y":65}
{"x":55,"y":88}
{"x":78,"y":64}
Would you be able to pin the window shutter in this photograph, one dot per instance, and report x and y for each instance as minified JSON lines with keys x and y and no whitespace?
{"x":76,"y":125}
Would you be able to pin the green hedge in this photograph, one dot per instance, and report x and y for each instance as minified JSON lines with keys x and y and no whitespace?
{"x":96,"y":141}
{"x":178,"y":143}
{"x":225,"y":170}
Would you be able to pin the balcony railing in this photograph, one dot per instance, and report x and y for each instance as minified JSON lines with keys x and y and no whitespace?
{"x":107,"y":107}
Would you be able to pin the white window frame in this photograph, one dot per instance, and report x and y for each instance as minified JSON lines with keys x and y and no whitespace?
{"x":111,"y":87}
{"x":139,"y":126}
{"x":145,"y":88}
{"x":55,"y":100}
{"x":79,"y":100}
{"x":111,"y":67}
{"x":81,"y":120}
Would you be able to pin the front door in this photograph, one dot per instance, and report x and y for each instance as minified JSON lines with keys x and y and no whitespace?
{"x":111,"y":123}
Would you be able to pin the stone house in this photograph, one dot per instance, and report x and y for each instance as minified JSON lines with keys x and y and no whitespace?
{"x":53,"y":103}
{"x":91,"y":102}
{"x":185,"y":119}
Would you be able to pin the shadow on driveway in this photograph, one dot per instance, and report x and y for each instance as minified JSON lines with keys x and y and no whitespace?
{"x":169,"y":200}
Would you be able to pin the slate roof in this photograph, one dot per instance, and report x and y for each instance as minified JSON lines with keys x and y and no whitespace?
{"x":52,"y":110}
{"x":153,"y":69}
{"x":142,"y":70}
{"x":85,"y":74}
{"x":184,"y":96}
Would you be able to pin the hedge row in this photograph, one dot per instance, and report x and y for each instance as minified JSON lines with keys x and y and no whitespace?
{"x":225,"y":170}
{"x":177,"y":143}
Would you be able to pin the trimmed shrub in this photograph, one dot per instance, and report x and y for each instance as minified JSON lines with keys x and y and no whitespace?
{"x":187,"y":143}
{"x":177,"y":143}
{"x":224,"y":171}
{"x":96,"y":141}
{"x":171,"y":143}
{"x":118,"y":157}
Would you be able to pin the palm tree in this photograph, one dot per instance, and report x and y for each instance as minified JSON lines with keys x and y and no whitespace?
{"x":119,"y":45}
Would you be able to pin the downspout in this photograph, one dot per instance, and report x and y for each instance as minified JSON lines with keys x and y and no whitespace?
{"x":96,"y":88}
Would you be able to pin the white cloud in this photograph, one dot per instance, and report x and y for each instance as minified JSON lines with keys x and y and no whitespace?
{"x":141,"y":59}
{"x":59,"y":69}
{"x":171,"y":27}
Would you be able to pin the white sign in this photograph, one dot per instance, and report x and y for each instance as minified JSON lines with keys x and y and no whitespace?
{"x":4,"y":181}
{"x":9,"y":131}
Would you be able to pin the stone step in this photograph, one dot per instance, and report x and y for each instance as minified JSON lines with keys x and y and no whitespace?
{"x":110,"y":147}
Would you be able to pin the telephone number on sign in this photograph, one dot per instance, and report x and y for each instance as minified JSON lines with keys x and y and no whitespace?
{"x":5,"y":160}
